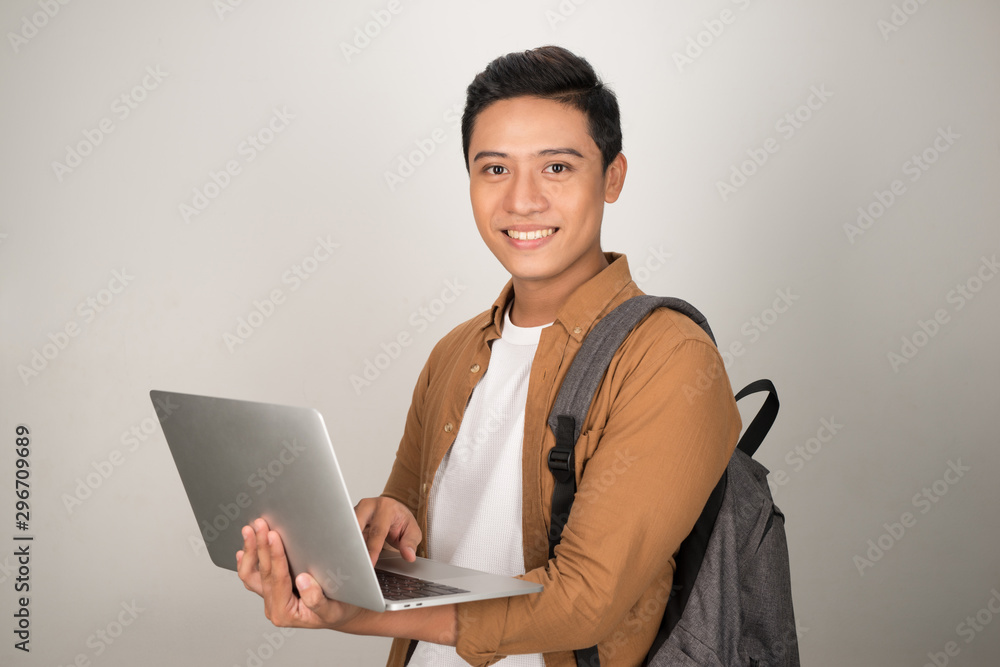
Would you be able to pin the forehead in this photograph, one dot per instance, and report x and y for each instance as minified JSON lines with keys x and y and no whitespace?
{"x":530,"y":123}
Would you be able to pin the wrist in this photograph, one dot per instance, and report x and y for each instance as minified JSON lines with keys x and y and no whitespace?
{"x":438,"y":624}
{"x":360,"y":623}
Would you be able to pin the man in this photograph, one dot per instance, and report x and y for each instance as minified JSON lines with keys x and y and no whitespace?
{"x":470,"y":483}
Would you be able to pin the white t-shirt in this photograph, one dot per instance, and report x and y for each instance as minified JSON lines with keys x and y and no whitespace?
{"x":474,"y":510}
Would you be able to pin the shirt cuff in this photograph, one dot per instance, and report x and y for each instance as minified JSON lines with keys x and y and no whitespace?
{"x":480,"y":627}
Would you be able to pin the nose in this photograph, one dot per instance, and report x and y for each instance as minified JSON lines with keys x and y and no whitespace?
{"x":525,"y":194}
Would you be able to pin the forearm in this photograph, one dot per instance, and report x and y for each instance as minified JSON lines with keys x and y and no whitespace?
{"x":437,"y":624}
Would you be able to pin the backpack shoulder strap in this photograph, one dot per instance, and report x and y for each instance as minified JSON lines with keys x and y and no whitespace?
{"x":574,"y":398}
{"x":580,"y":384}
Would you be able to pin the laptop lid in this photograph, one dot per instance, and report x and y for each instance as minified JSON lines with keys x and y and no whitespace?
{"x":239,"y":460}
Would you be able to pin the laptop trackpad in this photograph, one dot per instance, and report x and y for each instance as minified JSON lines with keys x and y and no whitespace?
{"x":391,"y":561}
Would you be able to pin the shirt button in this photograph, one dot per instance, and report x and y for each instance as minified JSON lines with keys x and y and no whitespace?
{"x":474,"y":368}
{"x":577,"y":330}
{"x":448,"y":427}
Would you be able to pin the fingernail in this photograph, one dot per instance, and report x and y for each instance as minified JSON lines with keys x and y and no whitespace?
{"x":302,"y":582}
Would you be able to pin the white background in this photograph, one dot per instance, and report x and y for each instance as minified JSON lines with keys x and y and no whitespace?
{"x":358,"y":115}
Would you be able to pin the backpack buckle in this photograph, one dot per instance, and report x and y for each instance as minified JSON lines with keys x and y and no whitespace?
{"x":562,"y":464}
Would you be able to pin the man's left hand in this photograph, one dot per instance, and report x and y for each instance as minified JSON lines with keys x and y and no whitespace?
{"x":263,"y":568}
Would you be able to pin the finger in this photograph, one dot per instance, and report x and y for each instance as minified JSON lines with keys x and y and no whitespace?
{"x":404,"y":532}
{"x":263,"y":551}
{"x":280,"y":580}
{"x":409,"y":540}
{"x":246,"y":561}
{"x":375,"y":540}
{"x":364,"y":510}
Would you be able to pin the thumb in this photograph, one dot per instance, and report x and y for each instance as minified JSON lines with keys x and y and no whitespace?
{"x":408,"y":544}
{"x":310,"y":593}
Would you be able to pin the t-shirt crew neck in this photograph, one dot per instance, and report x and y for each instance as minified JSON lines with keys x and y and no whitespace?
{"x":516,"y":335}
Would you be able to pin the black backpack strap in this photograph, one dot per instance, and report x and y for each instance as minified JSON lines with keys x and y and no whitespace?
{"x":574,"y":398}
{"x":762,"y":422}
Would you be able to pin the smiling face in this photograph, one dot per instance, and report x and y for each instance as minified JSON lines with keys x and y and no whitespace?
{"x":538,"y":189}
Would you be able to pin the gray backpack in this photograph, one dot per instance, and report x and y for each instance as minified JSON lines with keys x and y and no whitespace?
{"x":731,"y":602}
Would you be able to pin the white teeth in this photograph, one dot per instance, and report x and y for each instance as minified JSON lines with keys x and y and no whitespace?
{"x":530,"y":236}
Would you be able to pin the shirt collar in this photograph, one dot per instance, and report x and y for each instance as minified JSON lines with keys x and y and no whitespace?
{"x":585,"y":305}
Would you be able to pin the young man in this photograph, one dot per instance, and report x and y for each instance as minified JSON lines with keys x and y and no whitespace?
{"x":470,"y":483}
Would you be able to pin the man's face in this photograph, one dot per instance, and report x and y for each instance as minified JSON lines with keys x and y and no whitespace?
{"x":538,"y":190}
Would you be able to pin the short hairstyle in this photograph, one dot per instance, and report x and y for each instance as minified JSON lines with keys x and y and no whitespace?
{"x":553,"y":73}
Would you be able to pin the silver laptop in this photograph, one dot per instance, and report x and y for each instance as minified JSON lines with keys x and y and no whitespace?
{"x":240,"y":460}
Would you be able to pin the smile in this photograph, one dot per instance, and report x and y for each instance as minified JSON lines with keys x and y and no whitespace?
{"x":531,"y":236}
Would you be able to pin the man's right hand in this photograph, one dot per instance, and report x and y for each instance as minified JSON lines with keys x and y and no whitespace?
{"x":386,"y":520}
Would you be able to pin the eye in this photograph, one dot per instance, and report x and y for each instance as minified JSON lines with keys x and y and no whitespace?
{"x":496,"y":170}
{"x":557,"y":168}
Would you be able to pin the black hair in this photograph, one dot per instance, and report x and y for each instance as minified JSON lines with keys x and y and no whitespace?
{"x":553,"y":73}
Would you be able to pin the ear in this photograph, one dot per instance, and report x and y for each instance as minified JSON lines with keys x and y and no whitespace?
{"x":614,"y":178}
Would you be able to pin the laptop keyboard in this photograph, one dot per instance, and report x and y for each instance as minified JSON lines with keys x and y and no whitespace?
{"x":401,"y":587}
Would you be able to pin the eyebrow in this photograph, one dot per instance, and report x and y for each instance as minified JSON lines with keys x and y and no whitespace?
{"x":548,"y":151}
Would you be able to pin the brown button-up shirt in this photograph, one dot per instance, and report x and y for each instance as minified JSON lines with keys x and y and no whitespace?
{"x":657,"y":438}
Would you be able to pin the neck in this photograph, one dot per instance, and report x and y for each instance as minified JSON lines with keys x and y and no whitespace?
{"x":536,"y":302}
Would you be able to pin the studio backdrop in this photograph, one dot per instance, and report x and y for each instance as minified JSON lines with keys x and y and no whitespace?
{"x":267,"y":200}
